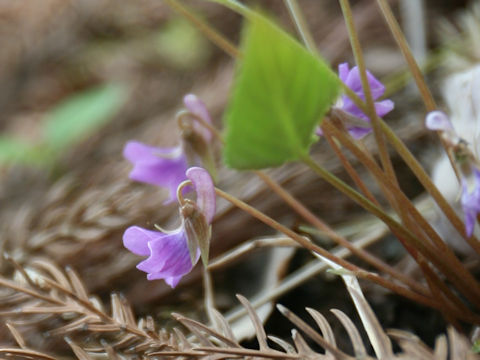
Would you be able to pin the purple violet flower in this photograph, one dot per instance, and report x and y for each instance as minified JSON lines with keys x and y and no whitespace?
{"x":465,"y":163}
{"x":438,"y":121}
{"x":351,"y":78}
{"x":166,"y":167}
{"x":471,"y":200}
{"x":169,"y":257}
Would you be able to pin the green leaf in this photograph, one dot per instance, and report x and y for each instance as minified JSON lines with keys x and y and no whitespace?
{"x":81,"y":114}
{"x":18,"y":151}
{"x":280,"y":94}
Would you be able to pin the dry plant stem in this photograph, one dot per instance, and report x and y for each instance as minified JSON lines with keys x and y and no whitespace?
{"x":463,"y":279}
{"x":429,"y":186}
{"x":306,"y":272}
{"x":361,"y":253}
{"x":360,"y":199}
{"x":350,"y":170}
{"x":430,"y":106}
{"x":312,"y":247}
{"x":205,"y":28}
{"x":444,"y":294}
{"x":438,"y":295}
{"x":301,"y":24}
{"x":405,"y":218}
{"x":357,"y":52}
{"x":370,"y":164}
{"x":414,"y":69}
{"x":209,"y":296}
{"x":407,"y":54}
{"x":455,"y":269}
{"x":245,"y":248}
{"x":12,"y":285}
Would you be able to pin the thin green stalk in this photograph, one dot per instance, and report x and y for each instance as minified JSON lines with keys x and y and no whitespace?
{"x":235,"y":6}
{"x":206,"y":29}
{"x":372,"y":114}
{"x":301,"y":24}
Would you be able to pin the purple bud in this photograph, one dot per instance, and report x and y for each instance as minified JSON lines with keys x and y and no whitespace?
{"x":198,"y":108}
{"x":438,"y":120}
{"x":205,"y":189}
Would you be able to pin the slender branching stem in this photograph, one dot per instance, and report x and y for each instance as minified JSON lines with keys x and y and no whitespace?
{"x":350,"y":170}
{"x":449,"y":263}
{"x":428,"y":185}
{"x":320,"y":225}
{"x":312,"y":247}
{"x":401,"y":232}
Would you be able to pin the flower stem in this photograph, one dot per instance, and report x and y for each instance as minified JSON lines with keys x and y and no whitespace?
{"x":301,"y":24}
{"x":205,"y":28}
{"x":312,"y":247}
{"x":315,"y":221}
{"x":349,"y":168}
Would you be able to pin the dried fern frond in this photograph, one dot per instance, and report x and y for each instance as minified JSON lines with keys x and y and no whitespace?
{"x":58,"y":301}
{"x":41,"y":298}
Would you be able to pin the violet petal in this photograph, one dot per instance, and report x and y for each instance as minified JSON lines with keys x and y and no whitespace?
{"x":343,"y":70}
{"x":172,"y":280}
{"x":471,"y":202}
{"x":163,"y":167}
{"x":438,"y":120}
{"x":168,"y":254}
{"x":136,"y":240}
{"x":383,"y":107}
{"x":359,"y":132}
